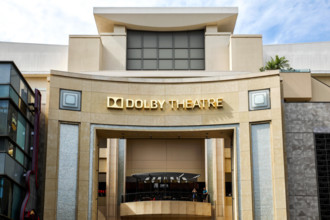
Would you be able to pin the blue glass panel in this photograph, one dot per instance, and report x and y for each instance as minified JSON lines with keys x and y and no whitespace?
{"x":5,"y":73}
{"x":3,"y":117}
{"x":262,"y":172}
{"x":2,"y":166}
{"x":5,"y":196}
{"x":17,"y":202}
{"x":4,"y":91}
{"x":19,"y":156}
{"x":12,"y":122}
{"x":21,"y":127}
{"x":28,"y":141}
{"x":13,"y":95}
{"x":23,"y":91}
{"x":15,"y":79}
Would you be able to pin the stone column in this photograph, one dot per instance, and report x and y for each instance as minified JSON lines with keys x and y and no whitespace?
{"x":112,"y":177}
{"x":245,"y":173}
{"x":216,"y":176}
{"x":219,"y":185}
{"x":121,"y":170}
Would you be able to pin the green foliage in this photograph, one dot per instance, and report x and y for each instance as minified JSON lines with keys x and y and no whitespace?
{"x":275,"y":64}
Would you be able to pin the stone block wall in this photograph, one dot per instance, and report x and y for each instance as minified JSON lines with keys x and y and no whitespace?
{"x":302,"y":120}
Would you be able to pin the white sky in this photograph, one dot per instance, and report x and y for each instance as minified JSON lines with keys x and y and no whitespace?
{"x":51,"y":21}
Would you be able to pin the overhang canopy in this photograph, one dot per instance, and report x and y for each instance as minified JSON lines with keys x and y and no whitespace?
{"x":165,"y":19}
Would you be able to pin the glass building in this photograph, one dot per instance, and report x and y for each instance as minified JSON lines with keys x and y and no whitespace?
{"x":16,"y":138}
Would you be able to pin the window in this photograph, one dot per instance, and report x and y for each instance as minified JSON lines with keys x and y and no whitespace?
{"x":5,"y":196}
{"x":322,"y":144}
{"x":11,"y":198}
{"x":21,"y":131}
{"x":7,"y":146}
{"x":12,"y":122}
{"x":14,"y":125}
{"x":14,"y":87}
{"x":102,"y":185}
{"x":5,"y":73}
{"x":165,"y":50}
{"x":18,"y":197}
{"x":4,"y":91}
{"x":3,"y":117}
{"x":259,"y":100}
{"x":15,"y":80}
{"x":70,"y":100}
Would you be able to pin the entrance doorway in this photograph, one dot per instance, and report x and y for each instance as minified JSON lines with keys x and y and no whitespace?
{"x":164,"y":169}
{"x":163,"y":157}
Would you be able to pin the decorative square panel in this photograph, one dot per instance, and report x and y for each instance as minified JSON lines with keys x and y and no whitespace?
{"x":259,"y":99}
{"x":70,"y":100}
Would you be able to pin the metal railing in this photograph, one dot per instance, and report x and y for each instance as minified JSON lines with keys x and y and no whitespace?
{"x":157,"y":196}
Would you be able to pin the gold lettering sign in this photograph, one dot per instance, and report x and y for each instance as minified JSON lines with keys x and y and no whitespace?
{"x":115,"y":102}
{"x":174,"y":104}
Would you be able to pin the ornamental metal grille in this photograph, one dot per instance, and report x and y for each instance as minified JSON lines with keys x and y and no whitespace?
{"x":182,"y":50}
{"x":322,"y":144}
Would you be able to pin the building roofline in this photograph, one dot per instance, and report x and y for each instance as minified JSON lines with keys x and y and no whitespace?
{"x":164,"y":10}
{"x":221,"y":76}
{"x":318,"y":42}
{"x":165,"y":19}
{"x":9,"y":42}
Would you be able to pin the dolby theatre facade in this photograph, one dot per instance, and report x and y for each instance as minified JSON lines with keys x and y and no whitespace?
{"x":167,"y":100}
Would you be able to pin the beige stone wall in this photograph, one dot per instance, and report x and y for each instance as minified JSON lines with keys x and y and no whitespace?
{"x":165,"y":18}
{"x":114,"y":49}
{"x":297,"y":86}
{"x":216,"y":49}
{"x":165,"y":155}
{"x":245,"y":53}
{"x":223,"y":51}
{"x":85,"y":53}
{"x":165,"y":209}
{"x":323,"y":79}
{"x":95,"y":91}
{"x":320,"y":91}
{"x":302,"y":87}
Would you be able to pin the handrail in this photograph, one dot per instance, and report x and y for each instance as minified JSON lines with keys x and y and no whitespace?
{"x":164,"y":195}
